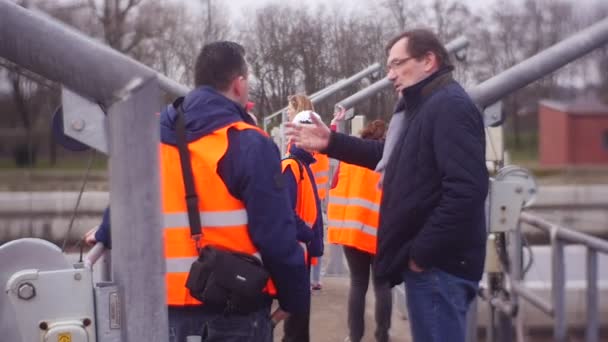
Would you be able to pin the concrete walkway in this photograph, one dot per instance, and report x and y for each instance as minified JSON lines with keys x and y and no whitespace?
{"x":329,"y":313}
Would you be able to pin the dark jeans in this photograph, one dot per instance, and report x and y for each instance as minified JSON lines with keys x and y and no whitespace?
{"x":437,"y":303}
{"x":359,"y":263}
{"x":297,"y":326}
{"x":213,"y":326}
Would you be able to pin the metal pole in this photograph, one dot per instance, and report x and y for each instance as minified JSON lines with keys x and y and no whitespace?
{"x":540,"y":64}
{"x":50,"y":48}
{"x":516,"y":274}
{"x":322,"y":94}
{"x":592,"y":331}
{"x":558,"y":290}
{"x":471,"y":332}
{"x":349,"y":102}
{"x":318,"y":98}
{"x":138,"y":262}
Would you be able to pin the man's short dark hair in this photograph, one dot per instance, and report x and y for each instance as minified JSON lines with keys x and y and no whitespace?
{"x":420,"y":42}
{"x":218,"y":64}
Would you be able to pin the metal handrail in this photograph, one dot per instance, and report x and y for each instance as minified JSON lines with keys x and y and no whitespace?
{"x":557,"y":308}
{"x":331,"y":89}
{"x":564,"y":233}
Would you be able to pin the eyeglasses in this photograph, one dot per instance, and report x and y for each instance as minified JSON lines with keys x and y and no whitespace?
{"x":395,"y":63}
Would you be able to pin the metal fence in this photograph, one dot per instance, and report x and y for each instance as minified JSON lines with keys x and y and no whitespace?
{"x":556,"y":307}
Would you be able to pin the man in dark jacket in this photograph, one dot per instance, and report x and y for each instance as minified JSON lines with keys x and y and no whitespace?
{"x":432,"y":222}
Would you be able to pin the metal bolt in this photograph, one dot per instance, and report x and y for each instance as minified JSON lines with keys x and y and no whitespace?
{"x":77,"y":276}
{"x":503,"y":220}
{"x":26,"y":291}
{"x":519,"y":190}
{"x":77,"y":125}
{"x":43,"y":326}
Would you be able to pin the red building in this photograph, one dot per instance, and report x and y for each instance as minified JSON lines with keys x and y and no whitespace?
{"x":573,"y":133}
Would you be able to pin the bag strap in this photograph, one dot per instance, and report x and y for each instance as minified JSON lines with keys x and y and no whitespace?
{"x":184,"y":155}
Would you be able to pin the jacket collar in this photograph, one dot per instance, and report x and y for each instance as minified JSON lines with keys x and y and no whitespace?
{"x":305,"y":157}
{"x":414,"y":95}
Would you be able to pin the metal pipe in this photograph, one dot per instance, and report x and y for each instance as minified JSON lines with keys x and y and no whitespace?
{"x":566,"y":234}
{"x":363,"y":94}
{"x":131,"y":92}
{"x":558,"y":290}
{"x":541,"y":64}
{"x":93,"y":255}
{"x":49,"y":48}
{"x":532,"y":297}
{"x":138,"y":262}
{"x":331,"y":89}
{"x":593,"y":312}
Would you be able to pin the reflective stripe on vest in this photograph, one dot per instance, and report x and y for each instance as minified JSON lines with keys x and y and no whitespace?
{"x":354,"y":201}
{"x":208,"y":219}
{"x":367,"y":229}
{"x":354,"y":208}
{"x":223,"y":217}
{"x":320,"y":170}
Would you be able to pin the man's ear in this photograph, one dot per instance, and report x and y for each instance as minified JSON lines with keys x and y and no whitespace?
{"x":240,"y":85}
{"x":430,"y":62}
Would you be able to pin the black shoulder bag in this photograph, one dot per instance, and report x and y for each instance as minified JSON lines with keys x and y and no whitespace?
{"x":225,"y":280}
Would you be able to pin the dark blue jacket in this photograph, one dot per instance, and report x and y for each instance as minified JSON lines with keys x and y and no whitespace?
{"x":103,"y":232}
{"x":251,"y":170}
{"x":435,"y":184}
{"x":312,"y":237}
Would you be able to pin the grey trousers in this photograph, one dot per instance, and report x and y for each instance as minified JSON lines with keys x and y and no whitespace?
{"x":360,"y":264}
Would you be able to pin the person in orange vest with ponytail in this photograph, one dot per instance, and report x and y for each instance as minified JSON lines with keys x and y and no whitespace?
{"x":306,"y":206}
{"x":320,"y":169}
{"x":241,"y":202}
{"x":353,"y":216}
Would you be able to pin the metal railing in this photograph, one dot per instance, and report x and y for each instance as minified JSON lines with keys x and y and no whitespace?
{"x":330,"y":90}
{"x":556,"y":308}
{"x":130,"y":91}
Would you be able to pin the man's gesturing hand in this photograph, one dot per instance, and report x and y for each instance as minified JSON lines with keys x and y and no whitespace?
{"x":313,"y":137}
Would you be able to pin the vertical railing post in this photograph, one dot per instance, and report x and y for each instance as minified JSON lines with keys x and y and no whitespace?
{"x":558,"y":289}
{"x":471,"y":332}
{"x":592,"y":329}
{"x":517,"y":276}
{"x":138,"y":262}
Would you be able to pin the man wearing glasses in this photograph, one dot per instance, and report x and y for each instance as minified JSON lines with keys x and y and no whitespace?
{"x":432,"y":221}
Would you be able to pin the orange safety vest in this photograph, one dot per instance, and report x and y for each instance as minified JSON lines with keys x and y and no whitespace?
{"x":306,"y":203}
{"x":223,"y":217}
{"x":320,"y":170}
{"x":354,"y":208}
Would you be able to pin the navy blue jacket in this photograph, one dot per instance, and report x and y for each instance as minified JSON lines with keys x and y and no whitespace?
{"x":435,"y":185}
{"x":103,"y":232}
{"x":312,"y":237}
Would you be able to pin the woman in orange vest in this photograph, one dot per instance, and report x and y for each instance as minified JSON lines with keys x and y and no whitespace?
{"x":305,"y":202}
{"x":320,"y":170}
{"x":353,"y":214}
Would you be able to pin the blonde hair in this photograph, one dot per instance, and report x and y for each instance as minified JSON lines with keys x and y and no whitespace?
{"x":300,"y":103}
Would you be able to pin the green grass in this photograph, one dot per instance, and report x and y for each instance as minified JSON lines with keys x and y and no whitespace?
{"x":99,"y":163}
{"x":526,"y":152}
